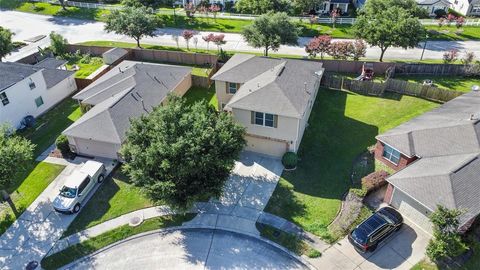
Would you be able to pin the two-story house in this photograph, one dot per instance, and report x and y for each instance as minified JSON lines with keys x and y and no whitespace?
{"x":271,"y":97}
{"x":32,"y":89}
{"x":467,"y":7}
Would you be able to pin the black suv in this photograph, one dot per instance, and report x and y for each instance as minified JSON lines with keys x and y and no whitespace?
{"x":366,"y":236}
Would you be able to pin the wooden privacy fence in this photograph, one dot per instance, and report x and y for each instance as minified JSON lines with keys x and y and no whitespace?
{"x":391,"y":85}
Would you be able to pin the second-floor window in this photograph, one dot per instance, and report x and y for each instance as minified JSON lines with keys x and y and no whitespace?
{"x":4,"y":99}
{"x":39,"y":101}
{"x":391,"y":154}
{"x":232,"y":88}
{"x":264,"y":119}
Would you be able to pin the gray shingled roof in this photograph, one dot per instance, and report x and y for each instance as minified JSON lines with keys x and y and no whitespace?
{"x":12,"y":73}
{"x":447,"y":141}
{"x":128,"y":91}
{"x":50,"y":62}
{"x":431,"y":2}
{"x":278,"y":86}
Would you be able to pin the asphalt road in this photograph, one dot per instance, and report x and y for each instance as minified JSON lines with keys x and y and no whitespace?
{"x":26,"y":26}
{"x":190,"y":249}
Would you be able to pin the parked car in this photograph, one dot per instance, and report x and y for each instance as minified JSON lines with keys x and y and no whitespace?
{"x":366,"y":236}
{"x":77,"y":187}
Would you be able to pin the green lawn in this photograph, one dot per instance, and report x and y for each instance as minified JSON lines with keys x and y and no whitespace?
{"x":115,"y":197}
{"x":82,"y":249}
{"x":196,"y":93}
{"x":342,"y":125}
{"x":472,"y":264}
{"x":458,"y":83}
{"x":85,"y":69}
{"x":27,"y":185}
{"x":50,"y":125}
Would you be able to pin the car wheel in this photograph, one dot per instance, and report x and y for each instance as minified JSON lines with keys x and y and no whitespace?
{"x":398,"y":228}
{"x":76,"y":208}
{"x":101,"y":178}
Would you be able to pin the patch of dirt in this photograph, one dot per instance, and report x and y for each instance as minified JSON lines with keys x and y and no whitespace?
{"x":58,"y":154}
{"x":351,"y":207}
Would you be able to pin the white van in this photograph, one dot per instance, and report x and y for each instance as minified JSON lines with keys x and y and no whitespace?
{"x":77,"y":187}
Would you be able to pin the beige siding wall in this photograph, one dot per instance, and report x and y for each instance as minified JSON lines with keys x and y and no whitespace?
{"x":183,"y":87}
{"x":221,"y":91}
{"x":286,"y":129}
{"x":306,"y":116}
{"x":94,"y":148}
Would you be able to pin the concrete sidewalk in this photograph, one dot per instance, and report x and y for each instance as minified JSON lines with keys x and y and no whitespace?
{"x":35,"y":232}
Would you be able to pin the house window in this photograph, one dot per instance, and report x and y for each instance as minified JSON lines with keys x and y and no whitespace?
{"x":264,"y":119}
{"x":232,"y":88}
{"x":31,"y":84}
{"x":39,"y":101}
{"x":391,"y":154}
{"x":476,"y":9}
{"x":4,"y":99}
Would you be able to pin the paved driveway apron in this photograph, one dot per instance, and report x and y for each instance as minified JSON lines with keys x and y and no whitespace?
{"x":401,"y":251}
{"x":35,"y":232}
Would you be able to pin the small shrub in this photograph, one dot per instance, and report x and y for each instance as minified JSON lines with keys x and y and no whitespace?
{"x":290,"y":160}
{"x":313,"y":253}
{"x":374,"y":180}
{"x":440,"y":13}
{"x":62,"y":144}
{"x":58,"y":44}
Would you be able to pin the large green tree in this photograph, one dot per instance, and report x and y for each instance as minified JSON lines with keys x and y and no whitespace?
{"x":135,"y":22}
{"x":387,"y":23}
{"x":6,"y":45}
{"x":14,"y":152}
{"x":306,"y":5}
{"x":271,"y":30}
{"x":179,"y":153}
{"x":261,"y":6}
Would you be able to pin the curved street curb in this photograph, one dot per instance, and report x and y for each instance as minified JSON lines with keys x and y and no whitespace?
{"x":181,"y":228}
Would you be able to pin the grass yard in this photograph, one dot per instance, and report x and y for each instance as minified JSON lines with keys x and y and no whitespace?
{"x":55,"y":10}
{"x":85,"y":69}
{"x":51,"y":124}
{"x":115,"y":197}
{"x":196,"y":93}
{"x":289,"y":241}
{"x":458,"y":83}
{"x":82,"y":249}
{"x":342,"y":125}
{"x":452,"y":33}
{"x":27,"y":185}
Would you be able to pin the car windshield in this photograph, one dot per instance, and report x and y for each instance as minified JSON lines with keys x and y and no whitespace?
{"x":385,"y":216}
{"x":359,"y":235}
{"x":68,"y":192}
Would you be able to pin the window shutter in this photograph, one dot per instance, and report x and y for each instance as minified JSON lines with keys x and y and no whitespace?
{"x":252,"y":117}
{"x":275,"y":121}
{"x":227,"y":87}
{"x":238,"y":86}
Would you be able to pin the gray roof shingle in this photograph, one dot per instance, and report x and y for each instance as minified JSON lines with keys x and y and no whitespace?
{"x":126,"y":92}
{"x":278,"y":86}
{"x":51,"y":62}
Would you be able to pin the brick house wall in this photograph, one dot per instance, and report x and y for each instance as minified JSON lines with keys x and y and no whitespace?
{"x":388,"y":194}
{"x":404,"y":160}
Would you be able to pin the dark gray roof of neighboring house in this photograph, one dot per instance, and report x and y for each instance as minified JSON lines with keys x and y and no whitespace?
{"x":128,"y":91}
{"x":12,"y":73}
{"x":277,"y":86}
{"x":340,"y":1}
{"x":54,"y":76}
{"x":447,"y":140}
{"x":50,"y":62}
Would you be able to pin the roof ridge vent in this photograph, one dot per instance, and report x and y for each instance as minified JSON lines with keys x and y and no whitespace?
{"x":474,"y":117}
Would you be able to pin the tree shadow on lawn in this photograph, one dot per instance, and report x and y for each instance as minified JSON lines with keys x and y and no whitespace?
{"x":330,"y":144}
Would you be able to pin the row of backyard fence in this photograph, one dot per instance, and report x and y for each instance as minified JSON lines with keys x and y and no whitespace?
{"x":390,"y":85}
{"x":323,"y":20}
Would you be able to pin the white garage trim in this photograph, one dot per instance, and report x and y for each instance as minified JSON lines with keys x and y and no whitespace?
{"x":412,"y":210}
{"x":269,"y":147}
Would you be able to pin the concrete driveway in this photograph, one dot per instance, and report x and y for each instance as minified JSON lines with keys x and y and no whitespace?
{"x":189,"y":249}
{"x":402,"y":250}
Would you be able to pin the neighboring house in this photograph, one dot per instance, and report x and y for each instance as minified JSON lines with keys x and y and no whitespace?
{"x":271,"y":97}
{"x":437,"y":159}
{"x":128,"y":91}
{"x":467,"y":7}
{"x":32,"y":89}
{"x":326,"y":7}
{"x":431,"y":5}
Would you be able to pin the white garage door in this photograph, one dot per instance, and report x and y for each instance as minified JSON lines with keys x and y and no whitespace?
{"x":266,"y":147}
{"x":412,"y":210}
{"x":96,"y":149}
